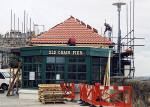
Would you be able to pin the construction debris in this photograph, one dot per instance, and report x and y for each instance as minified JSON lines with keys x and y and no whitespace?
{"x":50,"y":93}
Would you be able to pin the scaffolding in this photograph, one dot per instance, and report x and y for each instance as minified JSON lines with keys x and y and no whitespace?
{"x":126,"y":44}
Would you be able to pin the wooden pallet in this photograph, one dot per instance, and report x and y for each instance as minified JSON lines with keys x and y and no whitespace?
{"x":50,"y":93}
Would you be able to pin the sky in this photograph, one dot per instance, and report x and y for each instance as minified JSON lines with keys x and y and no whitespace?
{"x":92,"y":12}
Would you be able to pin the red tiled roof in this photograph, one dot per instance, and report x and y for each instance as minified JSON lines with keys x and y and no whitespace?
{"x":72,"y":27}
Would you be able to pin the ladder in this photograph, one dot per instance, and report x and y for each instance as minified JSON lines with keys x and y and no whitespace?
{"x":14,"y":80}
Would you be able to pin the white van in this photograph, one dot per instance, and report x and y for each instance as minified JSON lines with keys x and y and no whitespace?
{"x":4,"y":79}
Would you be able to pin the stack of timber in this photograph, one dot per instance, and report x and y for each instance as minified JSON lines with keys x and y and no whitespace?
{"x":50,"y":93}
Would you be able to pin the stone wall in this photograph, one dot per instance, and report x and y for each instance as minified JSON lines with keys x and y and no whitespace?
{"x":140,"y":89}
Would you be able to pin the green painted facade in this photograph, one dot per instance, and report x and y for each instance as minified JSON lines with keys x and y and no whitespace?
{"x":56,"y":64}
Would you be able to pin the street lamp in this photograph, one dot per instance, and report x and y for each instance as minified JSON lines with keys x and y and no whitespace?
{"x":119,"y":4}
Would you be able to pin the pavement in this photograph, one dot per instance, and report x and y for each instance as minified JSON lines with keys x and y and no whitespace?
{"x":14,"y":101}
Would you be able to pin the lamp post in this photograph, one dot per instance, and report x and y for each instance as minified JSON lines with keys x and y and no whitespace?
{"x":119,"y":4}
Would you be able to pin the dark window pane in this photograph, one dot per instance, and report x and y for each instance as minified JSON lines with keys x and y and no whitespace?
{"x":50,"y":75}
{"x":72,"y":59}
{"x":25,"y":83}
{"x":60,"y":60}
{"x":82,"y":68}
{"x":29,"y":83}
{"x":96,"y":68}
{"x":35,"y":84}
{"x":28,"y":59}
{"x":103,"y":68}
{"x":95,"y":60}
{"x":37,"y":67}
{"x":50,"y":60}
{"x":71,"y":68}
{"x":50,"y":67}
{"x":26,"y":75}
{"x":71,"y":76}
{"x":60,"y":68}
{"x":77,"y":59}
{"x":81,"y":59}
{"x":25,"y":67}
{"x":82,"y":76}
{"x":104,"y":61}
{"x":29,"y":67}
{"x":37,"y":59}
{"x":95,"y":76}
{"x":38,"y":75}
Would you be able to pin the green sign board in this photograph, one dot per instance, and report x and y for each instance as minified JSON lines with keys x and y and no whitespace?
{"x":66,"y":52}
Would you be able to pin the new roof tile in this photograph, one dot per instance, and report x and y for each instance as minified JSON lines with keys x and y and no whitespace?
{"x":71,"y":27}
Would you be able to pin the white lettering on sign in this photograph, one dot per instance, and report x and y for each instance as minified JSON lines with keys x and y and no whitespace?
{"x":77,"y":53}
{"x":52,"y":52}
{"x":64,"y":52}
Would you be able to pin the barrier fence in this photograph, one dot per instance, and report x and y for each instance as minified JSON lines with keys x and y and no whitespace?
{"x":68,"y":89}
{"x":97,"y":95}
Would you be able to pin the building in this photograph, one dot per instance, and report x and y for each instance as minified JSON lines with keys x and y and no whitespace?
{"x":9,"y":43}
{"x":50,"y":59}
{"x":56,"y":64}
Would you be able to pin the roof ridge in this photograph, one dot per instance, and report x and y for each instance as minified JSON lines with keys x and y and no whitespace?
{"x":71,"y":27}
{"x":87,"y":26}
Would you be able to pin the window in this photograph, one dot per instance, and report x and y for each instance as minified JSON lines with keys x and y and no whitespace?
{"x":60,"y":60}
{"x":25,"y":75}
{"x":72,"y":59}
{"x":82,"y":76}
{"x":27,"y":67}
{"x":50,"y":60}
{"x":28,"y":59}
{"x":1,"y":76}
{"x":25,"y":83}
{"x":50,"y":75}
{"x":82,"y":68}
{"x":71,"y":76}
{"x":6,"y":74}
{"x":32,"y":71}
{"x":98,"y":68}
{"x":77,"y":59}
{"x":72,"y":68}
{"x":50,"y":67}
{"x":37,"y":67}
{"x":77,"y":69}
{"x":60,"y":68}
{"x":55,"y":60}
{"x":81,"y":60}
{"x":104,"y":61}
{"x":95,"y":60}
{"x":37,"y":59}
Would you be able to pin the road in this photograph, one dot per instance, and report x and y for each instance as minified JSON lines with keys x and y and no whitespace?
{"x":14,"y":101}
